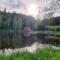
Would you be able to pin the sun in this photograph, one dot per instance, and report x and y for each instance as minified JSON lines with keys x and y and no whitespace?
{"x":32,"y":10}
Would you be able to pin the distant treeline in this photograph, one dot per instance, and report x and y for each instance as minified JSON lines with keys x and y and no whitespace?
{"x":52,"y":30}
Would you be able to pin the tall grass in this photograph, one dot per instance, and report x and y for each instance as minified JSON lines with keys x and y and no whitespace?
{"x":41,"y":54}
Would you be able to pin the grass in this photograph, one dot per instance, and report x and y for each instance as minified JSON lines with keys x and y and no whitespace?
{"x":41,"y":54}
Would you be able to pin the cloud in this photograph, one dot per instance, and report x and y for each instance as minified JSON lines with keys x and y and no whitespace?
{"x":23,"y":6}
{"x":14,"y":3}
{"x":11,"y":3}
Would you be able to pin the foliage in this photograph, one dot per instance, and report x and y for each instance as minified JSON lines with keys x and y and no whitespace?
{"x":10,"y":24}
{"x":53,"y":5}
{"x":41,"y":54}
{"x":51,"y":30}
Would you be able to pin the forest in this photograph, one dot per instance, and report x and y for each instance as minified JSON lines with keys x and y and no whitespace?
{"x":11,"y":25}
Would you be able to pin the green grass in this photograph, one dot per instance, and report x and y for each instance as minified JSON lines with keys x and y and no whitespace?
{"x":41,"y":54}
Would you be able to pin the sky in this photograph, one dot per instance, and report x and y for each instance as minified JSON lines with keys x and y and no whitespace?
{"x":28,"y":7}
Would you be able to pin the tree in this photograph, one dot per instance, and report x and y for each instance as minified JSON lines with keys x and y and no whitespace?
{"x":49,"y":15}
{"x":54,"y":5}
